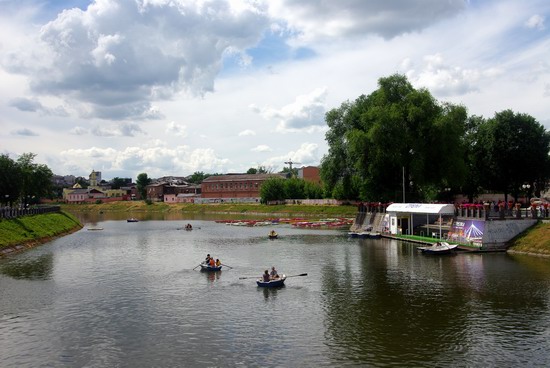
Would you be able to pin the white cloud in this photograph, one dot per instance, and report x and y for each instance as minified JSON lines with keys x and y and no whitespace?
{"x":536,"y":21}
{"x":33,"y":105}
{"x":316,"y":21}
{"x":262,"y":148}
{"x":24,"y":132}
{"x":307,"y":154}
{"x":175,"y":129}
{"x":306,"y":113}
{"x":114,"y":56}
{"x":119,"y":130}
{"x":78,"y":130}
{"x":156,"y":160}
{"x":247,"y":132}
{"x":444,"y":79}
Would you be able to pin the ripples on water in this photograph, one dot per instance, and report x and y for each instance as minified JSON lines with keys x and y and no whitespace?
{"x":128,"y":296}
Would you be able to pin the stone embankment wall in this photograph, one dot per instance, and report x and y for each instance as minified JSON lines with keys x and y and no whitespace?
{"x":498,"y":233}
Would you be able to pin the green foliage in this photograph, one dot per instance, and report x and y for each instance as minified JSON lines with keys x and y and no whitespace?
{"x":117,"y":182}
{"x":23,"y":179}
{"x":513,"y":149}
{"x":258,"y":170}
{"x":395,"y":129}
{"x":142,"y":182}
{"x":312,"y":190}
{"x":198,"y":177}
{"x":98,"y":201}
{"x":10,"y":180}
{"x":273,"y":189}
{"x":294,"y":188}
{"x":289,"y":173}
{"x":82,"y":182}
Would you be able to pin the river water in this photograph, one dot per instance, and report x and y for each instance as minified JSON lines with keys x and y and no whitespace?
{"x":129,"y":296}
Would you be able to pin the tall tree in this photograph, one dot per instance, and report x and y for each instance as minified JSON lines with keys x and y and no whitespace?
{"x":395,"y":138}
{"x":142,"y":182}
{"x":10,"y":180}
{"x":117,"y":182}
{"x":35,"y":179}
{"x":198,"y":177}
{"x":273,"y":189}
{"x":514,"y":150}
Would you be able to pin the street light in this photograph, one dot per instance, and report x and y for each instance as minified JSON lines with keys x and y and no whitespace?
{"x":526,"y":188}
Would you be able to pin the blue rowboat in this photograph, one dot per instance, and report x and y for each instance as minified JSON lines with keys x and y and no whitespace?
{"x":272,"y":283}
{"x":207,"y":268}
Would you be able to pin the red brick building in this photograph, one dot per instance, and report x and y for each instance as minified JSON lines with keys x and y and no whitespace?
{"x":235,"y":185}
{"x":310,"y":173}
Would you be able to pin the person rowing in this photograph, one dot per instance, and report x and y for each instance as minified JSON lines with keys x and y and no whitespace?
{"x":273,"y":274}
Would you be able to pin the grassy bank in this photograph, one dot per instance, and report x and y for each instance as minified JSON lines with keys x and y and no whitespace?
{"x":231,"y":208}
{"x":36,"y":229}
{"x":536,"y":240}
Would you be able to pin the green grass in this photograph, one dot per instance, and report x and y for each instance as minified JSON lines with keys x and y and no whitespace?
{"x":534,"y":240}
{"x":33,"y":228}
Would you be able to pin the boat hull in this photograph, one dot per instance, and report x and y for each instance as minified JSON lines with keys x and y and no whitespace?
{"x":439,"y":248}
{"x":207,"y":268}
{"x":273,"y":283}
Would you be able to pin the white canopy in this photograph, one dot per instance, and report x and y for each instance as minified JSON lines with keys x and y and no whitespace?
{"x":431,"y":208}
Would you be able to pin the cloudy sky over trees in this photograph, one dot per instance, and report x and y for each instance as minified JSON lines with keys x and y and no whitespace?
{"x":170,"y":87}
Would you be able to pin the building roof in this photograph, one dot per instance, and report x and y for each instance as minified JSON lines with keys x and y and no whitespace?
{"x":233,"y":177}
{"x":431,"y":208}
{"x":78,"y":191}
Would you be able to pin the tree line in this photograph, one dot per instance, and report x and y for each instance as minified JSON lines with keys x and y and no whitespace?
{"x":23,"y":181}
{"x":399,"y":143}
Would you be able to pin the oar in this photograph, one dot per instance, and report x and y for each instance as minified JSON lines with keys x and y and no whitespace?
{"x":302,"y":274}
{"x":259,"y":277}
{"x":197,"y":266}
{"x":226,"y":265}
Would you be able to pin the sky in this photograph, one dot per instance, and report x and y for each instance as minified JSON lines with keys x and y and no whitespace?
{"x":171,"y":87}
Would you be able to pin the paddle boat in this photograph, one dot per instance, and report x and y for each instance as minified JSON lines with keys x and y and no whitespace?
{"x":133,"y":219}
{"x":439,"y":248}
{"x":279,"y":281}
{"x":207,"y":268}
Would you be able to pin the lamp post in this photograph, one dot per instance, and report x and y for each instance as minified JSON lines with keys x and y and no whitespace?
{"x":526,"y":188}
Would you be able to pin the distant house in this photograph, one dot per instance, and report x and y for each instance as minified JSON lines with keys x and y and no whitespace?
{"x":84,"y":195}
{"x":167,"y":192}
{"x":235,"y":187}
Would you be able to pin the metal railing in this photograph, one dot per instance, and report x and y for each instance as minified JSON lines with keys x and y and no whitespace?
{"x":15,"y":212}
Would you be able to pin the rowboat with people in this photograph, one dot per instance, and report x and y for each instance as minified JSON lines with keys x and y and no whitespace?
{"x":207,"y":268}
{"x":274,"y":282}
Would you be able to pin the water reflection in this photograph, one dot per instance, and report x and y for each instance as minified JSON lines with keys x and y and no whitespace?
{"x":133,"y":293}
{"x":212,"y":276}
{"x":39,"y":268}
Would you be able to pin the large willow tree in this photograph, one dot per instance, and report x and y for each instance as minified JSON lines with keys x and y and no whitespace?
{"x":397,"y":132}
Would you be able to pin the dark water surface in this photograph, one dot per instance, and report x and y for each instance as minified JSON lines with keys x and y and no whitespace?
{"x":127,"y":296}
